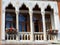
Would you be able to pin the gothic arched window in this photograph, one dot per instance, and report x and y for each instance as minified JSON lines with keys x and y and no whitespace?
{"x":10,"y":17}
{"x":24,"y":19}
{"x":49,"y":17}
{"x":37,"y":19}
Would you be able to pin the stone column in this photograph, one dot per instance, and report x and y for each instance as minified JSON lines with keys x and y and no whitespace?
{"x":31,"y":25}
{"x":44,"y":27}
{"x":17,"y":23}
{"x":3,"y":25}
{"x":57,"y":25}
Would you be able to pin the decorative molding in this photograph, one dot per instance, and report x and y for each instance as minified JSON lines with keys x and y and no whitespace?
{"x":31,"y":4}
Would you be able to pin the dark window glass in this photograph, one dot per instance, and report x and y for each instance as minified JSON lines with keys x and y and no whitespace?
{"x":9,"y":20}
{"x":21,"y":22}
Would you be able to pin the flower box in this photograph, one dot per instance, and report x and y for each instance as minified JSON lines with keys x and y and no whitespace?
{"x":53,"y":32}
{"x":11,"y":31}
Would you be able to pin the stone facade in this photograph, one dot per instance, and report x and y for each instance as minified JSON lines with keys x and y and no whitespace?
{"x":56,"y":11}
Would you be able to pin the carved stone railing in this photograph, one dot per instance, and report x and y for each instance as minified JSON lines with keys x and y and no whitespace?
{"x":52,"y":34}
{"x":38,"y":36}
{"x":24,"y":35}
{"x":13,"y":34}
{"x":10,"y":34}
{"x":20,"y":35}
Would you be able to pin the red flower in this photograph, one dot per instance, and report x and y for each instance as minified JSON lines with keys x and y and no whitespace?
{"x":11,"y":29}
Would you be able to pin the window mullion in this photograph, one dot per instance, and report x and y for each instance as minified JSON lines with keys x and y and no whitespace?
{"x":31,"y":26}
{"x":3,"y":25}
{"x":17,"y":23}
{"x":44,"y":27}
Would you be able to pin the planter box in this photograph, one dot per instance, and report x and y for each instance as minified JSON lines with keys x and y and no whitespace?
{"x":11,"y":31}
{"x":53,"y":32}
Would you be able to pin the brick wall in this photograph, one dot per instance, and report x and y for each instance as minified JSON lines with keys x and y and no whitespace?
{"x":59,"y":9}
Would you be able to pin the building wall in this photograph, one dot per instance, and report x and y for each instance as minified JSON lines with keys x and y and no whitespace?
{"x":0,"y":22}
{"x":59,"y":19}
{"x":0,"y":17}
{"x":59,"y":9}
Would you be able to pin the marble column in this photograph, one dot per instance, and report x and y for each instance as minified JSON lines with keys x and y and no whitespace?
{"x":31,"y":25}
{"x":44,"y":27}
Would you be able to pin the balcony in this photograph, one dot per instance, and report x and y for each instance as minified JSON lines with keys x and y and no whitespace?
{"x":52,"y":34}
{"x":26,"y":36}
{"x":38,"y":36}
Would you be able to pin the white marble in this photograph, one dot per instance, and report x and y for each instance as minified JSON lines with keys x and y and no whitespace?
{"x":30,"y":4}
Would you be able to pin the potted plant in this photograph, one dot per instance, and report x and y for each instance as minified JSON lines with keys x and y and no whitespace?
{"x":53,"y":32}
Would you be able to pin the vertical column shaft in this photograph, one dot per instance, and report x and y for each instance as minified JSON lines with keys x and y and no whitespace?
{"x":3,"y":25}
{"x":31,"y":25}
{"x":17,"y":23}
{"x":44,"y":27}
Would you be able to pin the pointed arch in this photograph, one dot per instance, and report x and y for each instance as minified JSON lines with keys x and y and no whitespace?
{"x":36,"y":11}
{"x":23,"y":7}
{"x":36,"y":8}
{"x":37,"y":19}
{"x":10,"y":9}
{"x":24,"y":19}
{"x":10,"y":19}
{"x":48,"y":8}
{"x":49,"y":18}
{"x":10,"y":6}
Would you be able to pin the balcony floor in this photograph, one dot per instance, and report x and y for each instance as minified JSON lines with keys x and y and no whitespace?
{"x":15,"y":42}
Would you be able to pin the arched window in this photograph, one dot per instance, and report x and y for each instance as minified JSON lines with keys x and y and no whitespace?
{"x":49,"y":18}
{"x":10,"y":17}
{"x":37,"y":19}
{"x":24,"y":19}
{"x":10,"y":22}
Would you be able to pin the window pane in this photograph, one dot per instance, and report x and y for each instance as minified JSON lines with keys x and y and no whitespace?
{"x":22,"y":25}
